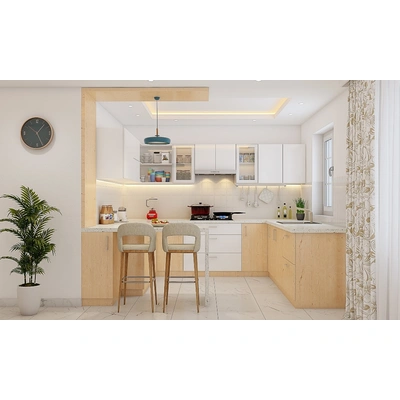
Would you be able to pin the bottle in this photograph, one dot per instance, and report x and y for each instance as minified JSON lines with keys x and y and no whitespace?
{"x":284,"y":210}
{"x":290,"y":212}
{"x":279,"y":212}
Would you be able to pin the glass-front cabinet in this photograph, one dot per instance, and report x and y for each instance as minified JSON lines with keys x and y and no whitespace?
{"x":183,"y":164}
{"x":246,"y":163}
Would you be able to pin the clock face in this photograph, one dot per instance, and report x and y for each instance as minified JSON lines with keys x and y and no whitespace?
{"x":36,"y":133}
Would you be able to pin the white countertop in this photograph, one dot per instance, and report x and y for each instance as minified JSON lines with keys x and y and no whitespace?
{"x":295,"y":228}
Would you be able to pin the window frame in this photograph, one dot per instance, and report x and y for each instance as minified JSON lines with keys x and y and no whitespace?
{"x":327,"y":207}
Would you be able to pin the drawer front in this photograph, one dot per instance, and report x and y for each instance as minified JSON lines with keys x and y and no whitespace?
{"x":288,"y":247}
{"x":225,"y":244}
{"x":217,"y":262}
{"x":220,"y":228}
{"x":219,"y":243}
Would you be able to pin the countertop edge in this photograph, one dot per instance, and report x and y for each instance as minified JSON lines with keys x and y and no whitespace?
{"x":317,"y":228}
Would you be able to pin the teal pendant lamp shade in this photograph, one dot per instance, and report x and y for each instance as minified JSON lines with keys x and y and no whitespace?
{"x":157,"y":140}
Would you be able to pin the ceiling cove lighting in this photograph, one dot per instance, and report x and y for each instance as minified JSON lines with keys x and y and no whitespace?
{"x":157,"y":140}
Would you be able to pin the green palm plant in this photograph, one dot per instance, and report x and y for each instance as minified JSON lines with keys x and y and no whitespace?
{"x":30,"y":221}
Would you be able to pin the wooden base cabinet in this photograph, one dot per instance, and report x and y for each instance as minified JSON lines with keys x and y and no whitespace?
{"x":101,"y":261}
{"x":254,"y":248}
{"x":309,"y":268}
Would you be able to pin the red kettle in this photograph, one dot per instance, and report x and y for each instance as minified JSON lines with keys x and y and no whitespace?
{"x":152,"y":214}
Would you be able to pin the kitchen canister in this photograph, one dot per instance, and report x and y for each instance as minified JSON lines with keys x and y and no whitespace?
{"x":106,"y":214}
{"x":122,"y":214}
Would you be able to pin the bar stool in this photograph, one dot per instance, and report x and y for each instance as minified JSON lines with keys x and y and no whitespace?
{"x":137,"y":229}
{"x":181,"y":229}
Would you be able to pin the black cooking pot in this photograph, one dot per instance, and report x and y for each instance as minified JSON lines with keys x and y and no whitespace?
{"x":200,"y":209}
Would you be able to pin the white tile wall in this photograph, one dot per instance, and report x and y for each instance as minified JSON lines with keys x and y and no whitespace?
{"x":173,"y":200}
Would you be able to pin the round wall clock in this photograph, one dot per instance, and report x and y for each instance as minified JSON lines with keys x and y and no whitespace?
{"x":37,"y":133}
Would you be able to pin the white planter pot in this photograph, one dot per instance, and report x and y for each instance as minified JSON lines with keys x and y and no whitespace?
{"x":29,"y":299}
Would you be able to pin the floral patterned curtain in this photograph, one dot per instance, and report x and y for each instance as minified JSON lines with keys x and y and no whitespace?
{"x":360,"y":204}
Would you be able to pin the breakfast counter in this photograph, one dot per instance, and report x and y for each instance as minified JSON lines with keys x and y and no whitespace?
{"x":296,"y":227}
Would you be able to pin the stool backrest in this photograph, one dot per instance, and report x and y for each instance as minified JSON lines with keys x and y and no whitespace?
{"x":181,"y":229}
{"x":136,"y":229}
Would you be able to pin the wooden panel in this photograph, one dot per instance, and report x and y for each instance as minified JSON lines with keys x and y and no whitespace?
{"x":88,"y":160}
{"x":288,"y":246}
{"x":274,"y":253}
{"x":148,"y":94}
{"x":320,"y":275}
{"x":97,"y":268}
{"x":254,"y":247}
{"x":288,"y":280}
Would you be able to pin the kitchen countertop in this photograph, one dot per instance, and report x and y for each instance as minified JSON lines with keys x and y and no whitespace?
{"x":295,"y":228}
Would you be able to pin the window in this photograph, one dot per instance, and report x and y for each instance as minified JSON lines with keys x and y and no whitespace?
{"x":328,"y":173}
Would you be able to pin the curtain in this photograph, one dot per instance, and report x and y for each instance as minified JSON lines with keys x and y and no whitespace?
{"x":360,"y":203}
{"x":388,"y":198}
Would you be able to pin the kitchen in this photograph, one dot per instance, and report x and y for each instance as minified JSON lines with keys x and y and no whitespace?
{"x":222,"y":191}
{"x":173,"y":200}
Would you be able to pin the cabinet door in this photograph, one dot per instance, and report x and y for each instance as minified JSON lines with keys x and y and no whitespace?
{"x":97,"y":269}
{"x":254,"y":247}
{"x":183,"y":164}
{"x":274,"y":253}
{"x":225,"y":158}
{"x":270,"y":163}
{"x":246,"y":166}
{"x":131,"y":157}
{"x":294,"y":163}
{"x":204,"y":158}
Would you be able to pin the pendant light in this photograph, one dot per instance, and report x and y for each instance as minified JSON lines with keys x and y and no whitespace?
{"x":157,"y":140}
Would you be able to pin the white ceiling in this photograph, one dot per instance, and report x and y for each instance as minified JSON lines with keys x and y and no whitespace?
{"x":230,"y":102}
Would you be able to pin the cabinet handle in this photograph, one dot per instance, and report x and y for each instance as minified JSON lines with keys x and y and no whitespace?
{"x":107,"y":242}
{"x":245,"y":230}
{"x":212,"y":256}
{"x":213,"y":226}
{"x":213,"y":238}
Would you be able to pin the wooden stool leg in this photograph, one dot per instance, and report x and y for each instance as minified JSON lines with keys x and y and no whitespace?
{"x":196,"y":278}
{"x":154,"y":276}
{"x":120,"y":280}
{"x":166,"y":278}
{"x":126,"y":274}
{"x":151,"y":282}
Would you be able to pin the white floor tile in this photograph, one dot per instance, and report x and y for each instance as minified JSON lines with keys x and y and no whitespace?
{"x":230,"y":298}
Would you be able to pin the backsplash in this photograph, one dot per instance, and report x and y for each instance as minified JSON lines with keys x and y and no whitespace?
{"x":173,"y":200}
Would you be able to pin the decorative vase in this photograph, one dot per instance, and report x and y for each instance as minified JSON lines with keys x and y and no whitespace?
{"x":29,"y":299}
{"x":300,"y":217}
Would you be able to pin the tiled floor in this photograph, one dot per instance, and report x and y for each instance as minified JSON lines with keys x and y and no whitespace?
{"x":230,"y":299}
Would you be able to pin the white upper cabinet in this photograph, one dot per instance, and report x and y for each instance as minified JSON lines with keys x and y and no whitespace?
{"x":131,"y":157}
{"x":247,"y":161}
{"x":270,"y":163}
{"x":294,"y":163}
{"x":215,"y":159}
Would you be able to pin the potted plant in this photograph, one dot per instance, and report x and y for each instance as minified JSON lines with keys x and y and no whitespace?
{"x":34,"y":244}
{"x":300,"y":203}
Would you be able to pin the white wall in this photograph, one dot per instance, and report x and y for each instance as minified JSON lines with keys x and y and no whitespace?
{"x":55,"y":174}
{"x":333,"y":115}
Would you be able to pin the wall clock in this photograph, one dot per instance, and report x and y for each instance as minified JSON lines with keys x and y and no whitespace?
{"x":37,"y":133}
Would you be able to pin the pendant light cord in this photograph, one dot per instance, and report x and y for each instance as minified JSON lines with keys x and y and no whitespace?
{"x":157,"y":98}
